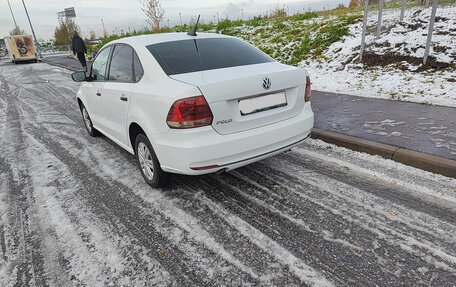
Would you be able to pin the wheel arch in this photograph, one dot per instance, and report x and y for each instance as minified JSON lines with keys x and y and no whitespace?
{"x":79,"y":102}
{"x":133,"y":130}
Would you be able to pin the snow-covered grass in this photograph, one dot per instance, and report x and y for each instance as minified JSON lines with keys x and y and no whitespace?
{"x":392,"y":66}
{"x":328,"y":46}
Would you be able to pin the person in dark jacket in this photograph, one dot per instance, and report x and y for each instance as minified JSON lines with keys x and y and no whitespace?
{"x":80,"y":49}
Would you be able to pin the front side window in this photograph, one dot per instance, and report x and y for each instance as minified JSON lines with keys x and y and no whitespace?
{"x":187,"y":56}
{"x":121,"y":68}
{"x":99,"y":65}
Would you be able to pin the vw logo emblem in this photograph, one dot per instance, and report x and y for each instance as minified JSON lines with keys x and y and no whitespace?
{"x":266,"y":83}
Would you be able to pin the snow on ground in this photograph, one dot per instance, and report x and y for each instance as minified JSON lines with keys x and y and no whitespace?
{"x":404,"y":80}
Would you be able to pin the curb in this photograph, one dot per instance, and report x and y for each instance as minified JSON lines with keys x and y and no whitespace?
{"x":435,"y":164}
{"x":60,"y":65}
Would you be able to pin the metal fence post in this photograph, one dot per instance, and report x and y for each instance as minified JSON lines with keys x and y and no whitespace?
{"x":33,"y":32}
{"x":363,"y":37}
{"x":402,"y":10}
{"x":431,"y":29}
{"x":379,"y":22}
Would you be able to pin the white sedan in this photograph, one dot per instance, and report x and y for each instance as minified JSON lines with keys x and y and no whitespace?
{"x":194,"y":104}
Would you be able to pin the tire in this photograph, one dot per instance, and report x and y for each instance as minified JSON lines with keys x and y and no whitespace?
{"x":148,"y":163}
{"x":88,"y":122}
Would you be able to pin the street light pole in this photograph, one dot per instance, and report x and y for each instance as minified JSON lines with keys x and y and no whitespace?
{"x":180,"y":15}
{"x":104,"y":28}
{"x":33,"y":32}
{"x":15,"y":24}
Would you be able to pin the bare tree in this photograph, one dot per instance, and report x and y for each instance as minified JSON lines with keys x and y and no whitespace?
{"x":154,"y":13}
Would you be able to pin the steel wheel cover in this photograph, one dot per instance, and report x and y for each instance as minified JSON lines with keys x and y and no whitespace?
{"x":145,"y":161}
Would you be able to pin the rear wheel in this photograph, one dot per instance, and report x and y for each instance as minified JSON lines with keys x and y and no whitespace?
{"x":88,"y":122}
{"x":148,"y":163}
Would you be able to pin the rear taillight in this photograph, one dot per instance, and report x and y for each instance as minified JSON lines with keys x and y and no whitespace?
{"x":189,"y":113}
{"x":308,"y":92}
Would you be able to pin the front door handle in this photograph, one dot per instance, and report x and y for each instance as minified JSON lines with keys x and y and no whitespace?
{"x":99,"y":94}
{"x":124,"y":98}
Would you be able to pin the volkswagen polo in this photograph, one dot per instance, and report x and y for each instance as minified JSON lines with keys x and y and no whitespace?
{"x":193,"y":105}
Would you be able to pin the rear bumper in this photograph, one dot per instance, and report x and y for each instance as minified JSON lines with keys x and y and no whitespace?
{"x":181,"y":150}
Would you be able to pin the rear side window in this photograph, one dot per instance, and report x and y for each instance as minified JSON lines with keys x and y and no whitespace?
{"x":121,"y":68}
{"x":139,"y":72}
{"x":194,"y":55}
{"x":99,"y":65}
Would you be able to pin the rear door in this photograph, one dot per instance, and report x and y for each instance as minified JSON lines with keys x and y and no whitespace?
{"x":116,"y":93}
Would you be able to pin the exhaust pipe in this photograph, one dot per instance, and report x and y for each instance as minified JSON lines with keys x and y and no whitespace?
{"x":219,"y":172}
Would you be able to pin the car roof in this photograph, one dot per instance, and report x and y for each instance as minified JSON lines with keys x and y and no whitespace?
{"x":146,"y":40}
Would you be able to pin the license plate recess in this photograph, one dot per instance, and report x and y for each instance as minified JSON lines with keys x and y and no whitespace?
{"x":262,"y":103}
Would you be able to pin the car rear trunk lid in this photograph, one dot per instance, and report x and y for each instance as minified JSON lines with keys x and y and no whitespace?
{"x":248,"y":97}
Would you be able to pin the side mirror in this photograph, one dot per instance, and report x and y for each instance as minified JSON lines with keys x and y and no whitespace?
{"x":79,"y":76}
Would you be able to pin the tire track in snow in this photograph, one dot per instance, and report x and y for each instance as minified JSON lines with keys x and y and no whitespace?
{"x":297,"y":239}
{"x":156,"y":201}
{"x":162,"y":204}
{"x":438,"y":258}
{"x":29,"y":114}
{"x":98,"y":255}
{"x":125,"y":208}
{"x":377,"y":188}
{"x":348,"y":223}
{"x":22,"y":246}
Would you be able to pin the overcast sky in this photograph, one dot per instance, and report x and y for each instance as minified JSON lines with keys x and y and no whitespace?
{"x":127,"y":15}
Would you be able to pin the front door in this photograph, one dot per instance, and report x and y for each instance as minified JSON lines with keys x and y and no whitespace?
{"x":116,"y":93}
{"x":94,"y":88}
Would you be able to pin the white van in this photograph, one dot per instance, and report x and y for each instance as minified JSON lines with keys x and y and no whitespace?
{"x":21,"y":48}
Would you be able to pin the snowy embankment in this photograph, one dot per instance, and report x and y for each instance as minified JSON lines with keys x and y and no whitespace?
{"x":392,"y":66}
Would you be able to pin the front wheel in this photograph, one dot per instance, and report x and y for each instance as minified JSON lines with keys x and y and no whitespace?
{"x":148,"y":163}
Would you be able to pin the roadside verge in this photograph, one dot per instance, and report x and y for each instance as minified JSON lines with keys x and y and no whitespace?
{"x":60,"y":65}
{"x":435,"y":164}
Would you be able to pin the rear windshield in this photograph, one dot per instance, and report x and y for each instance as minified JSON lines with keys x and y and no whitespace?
{"x":194,"y":55}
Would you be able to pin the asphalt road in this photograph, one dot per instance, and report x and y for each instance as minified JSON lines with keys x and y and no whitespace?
{"x":75,"y":211}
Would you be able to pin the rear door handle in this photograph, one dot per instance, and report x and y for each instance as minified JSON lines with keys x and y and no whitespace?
{"x":124,"y":98}
{"x":99,"y":94}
